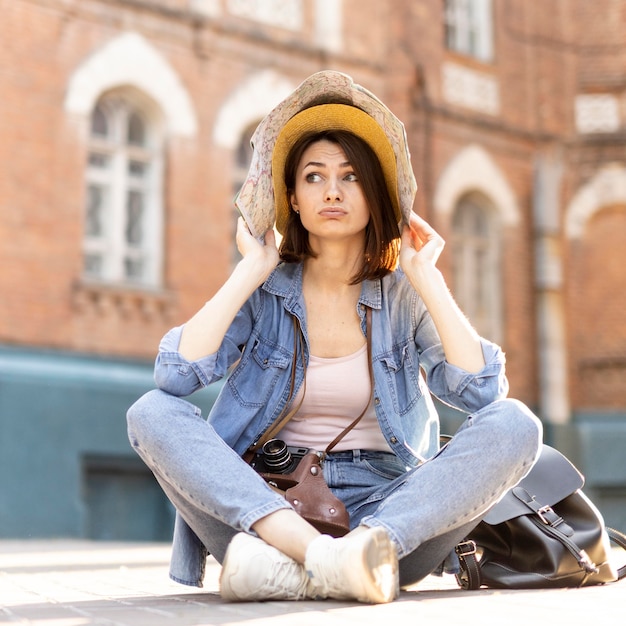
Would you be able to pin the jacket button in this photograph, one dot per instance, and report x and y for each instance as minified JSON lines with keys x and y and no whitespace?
{"x":393,"y":440}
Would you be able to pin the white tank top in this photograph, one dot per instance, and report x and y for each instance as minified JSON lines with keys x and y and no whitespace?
{"x":337,"y":390}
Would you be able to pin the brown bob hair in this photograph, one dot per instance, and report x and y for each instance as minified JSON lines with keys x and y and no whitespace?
{"x":382,"y":234}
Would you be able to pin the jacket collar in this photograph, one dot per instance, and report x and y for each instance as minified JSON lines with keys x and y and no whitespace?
{"x":286,"y":281}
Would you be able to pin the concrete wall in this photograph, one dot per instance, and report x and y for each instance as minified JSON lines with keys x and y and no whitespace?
{"x":66,"y":467}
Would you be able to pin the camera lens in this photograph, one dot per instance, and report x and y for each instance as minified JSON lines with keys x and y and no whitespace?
{"x":277,"y":456}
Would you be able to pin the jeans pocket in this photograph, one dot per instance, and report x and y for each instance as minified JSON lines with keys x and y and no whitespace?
{"x":386,"y":466}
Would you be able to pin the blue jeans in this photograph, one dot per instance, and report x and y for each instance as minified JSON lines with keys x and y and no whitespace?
{"x":426,"y":510}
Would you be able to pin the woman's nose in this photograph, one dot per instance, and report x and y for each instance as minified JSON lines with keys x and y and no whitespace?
{"x":333,"y":191}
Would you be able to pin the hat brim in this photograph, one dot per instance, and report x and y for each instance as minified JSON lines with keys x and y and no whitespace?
{"x":331,"y":117}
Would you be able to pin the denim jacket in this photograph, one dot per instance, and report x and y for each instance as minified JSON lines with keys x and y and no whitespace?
{"x":259,"y":347}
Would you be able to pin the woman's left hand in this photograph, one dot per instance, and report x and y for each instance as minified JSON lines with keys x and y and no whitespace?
{"x":419,"y":252}
{"x":421,"y":246}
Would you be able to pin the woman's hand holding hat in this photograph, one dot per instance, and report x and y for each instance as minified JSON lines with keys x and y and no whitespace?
{"x":262,"y":255}
{"x":420,"y":249}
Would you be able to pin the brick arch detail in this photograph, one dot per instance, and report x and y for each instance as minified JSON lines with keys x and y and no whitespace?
{"x":130,"y":60}
{"x":607,"y":187}
{"x":251,"y":101}
{"x":473,"y":169}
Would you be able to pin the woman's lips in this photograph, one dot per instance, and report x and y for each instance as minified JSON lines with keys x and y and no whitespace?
{"x":332,"y":212}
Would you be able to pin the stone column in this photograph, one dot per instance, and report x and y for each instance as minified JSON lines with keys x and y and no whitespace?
{"x":554,"y":405}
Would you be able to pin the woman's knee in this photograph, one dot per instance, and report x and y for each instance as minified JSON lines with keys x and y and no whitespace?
{"x":139,"y":416}
{"x":516,"y":426}
{"x":152,"y":412}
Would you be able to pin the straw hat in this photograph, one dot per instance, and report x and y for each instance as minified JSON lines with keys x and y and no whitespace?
{"x":326,"y":100}
{"x":331,"y":117}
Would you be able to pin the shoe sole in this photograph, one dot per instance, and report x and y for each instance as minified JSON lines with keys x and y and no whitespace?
{"x":380,"y":561}
{"x":240,"y":543}
{"x":225,"y":588}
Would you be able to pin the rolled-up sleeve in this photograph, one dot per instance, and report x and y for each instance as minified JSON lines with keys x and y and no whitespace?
{"x":465,"y":390}
{"x":175,"y":374}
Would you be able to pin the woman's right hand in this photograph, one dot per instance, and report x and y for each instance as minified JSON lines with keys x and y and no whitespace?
{"x":262,"y":256}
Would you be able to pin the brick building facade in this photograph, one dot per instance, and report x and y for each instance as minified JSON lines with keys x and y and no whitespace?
{"x":123,"y":138}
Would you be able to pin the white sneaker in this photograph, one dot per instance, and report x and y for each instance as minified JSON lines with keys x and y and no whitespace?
{"x":361,"y":566}
{"x":253,"y":570}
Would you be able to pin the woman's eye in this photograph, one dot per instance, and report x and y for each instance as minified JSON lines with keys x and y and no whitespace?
{"x":351,"y":178}
{"x":313,"y":177}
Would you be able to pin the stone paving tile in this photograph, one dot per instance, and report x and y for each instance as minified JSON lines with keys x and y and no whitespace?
{"x":76,"y":583}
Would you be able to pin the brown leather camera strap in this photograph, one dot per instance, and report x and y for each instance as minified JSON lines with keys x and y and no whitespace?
{"x":288,"y":414}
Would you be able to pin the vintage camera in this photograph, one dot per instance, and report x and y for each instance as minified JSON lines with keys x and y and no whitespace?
{"x":278,"y":458}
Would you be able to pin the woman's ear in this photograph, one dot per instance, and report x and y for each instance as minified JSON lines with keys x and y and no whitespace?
{"x":293,"y":202}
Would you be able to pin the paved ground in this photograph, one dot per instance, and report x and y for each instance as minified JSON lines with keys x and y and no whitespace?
{"x":73,"y":583}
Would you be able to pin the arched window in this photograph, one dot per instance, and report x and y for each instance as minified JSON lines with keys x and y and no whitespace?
{"x":476,"y":265}
{"x":123,"y":202}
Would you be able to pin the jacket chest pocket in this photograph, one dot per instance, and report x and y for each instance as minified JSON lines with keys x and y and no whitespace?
{"x":401,"y":368}
{"x":262,"y":365}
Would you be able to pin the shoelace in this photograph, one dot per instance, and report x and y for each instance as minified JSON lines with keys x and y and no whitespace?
{"x":281,"y":580}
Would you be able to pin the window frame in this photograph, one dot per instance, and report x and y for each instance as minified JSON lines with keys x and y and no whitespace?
{"x":468,"y":28}
{"x":478,"y":283}
{"x":111,"y":244}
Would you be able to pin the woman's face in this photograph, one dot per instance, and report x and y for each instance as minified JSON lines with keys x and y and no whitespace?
{"x":328,"y":194}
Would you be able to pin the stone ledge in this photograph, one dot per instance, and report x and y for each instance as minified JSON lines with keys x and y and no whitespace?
{"x":126,"y":300}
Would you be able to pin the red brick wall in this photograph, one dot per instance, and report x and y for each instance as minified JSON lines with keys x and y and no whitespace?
{"x":545,"y":53}
{"x":43,"y":152}
{"x":597,"y":312}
